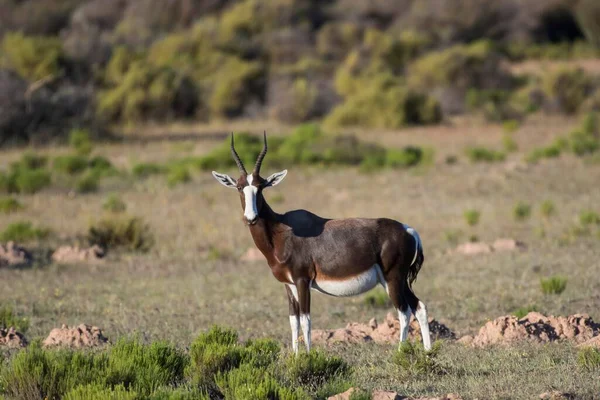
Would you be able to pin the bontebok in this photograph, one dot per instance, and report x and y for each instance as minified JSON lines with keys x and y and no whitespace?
{"x":338,"y":257}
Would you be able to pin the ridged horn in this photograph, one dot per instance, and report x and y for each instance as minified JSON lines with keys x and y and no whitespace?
{"x":236,"y":157}
{"x":261,"y":156}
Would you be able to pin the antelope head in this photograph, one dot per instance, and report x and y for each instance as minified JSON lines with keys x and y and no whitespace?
{"x":250,"y":186}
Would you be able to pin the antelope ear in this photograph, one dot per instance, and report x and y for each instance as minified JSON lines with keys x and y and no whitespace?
{"x":225,"y":180}
{"x":276,"y":178}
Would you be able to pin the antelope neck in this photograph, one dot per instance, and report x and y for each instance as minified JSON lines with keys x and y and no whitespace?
{"x":264,"y":230}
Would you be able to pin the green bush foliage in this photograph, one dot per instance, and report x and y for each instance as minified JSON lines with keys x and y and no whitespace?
{"x":8,"y":319}
{"x":472,"y":217}
{"x":547,"y":208}
{"x":521,"y":211}
{"x":178,"y":174}
{"x":523,"y":311}
{"x":589,"y":217}
{"x":589,"y":358}
{"x":70,"y":164}
{"x":568,"y":88}
{"x":144,"y":170}
{"x":87,"y":183}
{"x":586,"y":139}
{"x":23,"y":231}
{"x":413,"y":359}
{"x":315,"y":368}
{"x":26,"y":176}
{"x":114,"y":204}
{"x":121,"y":232}
{"x":482,"y":154}
{"x":79,"y":140}
{"x":32,"y":57}
{"x":9,"y":205}
{"x":553,"y":285}
{"x":249,"y":382}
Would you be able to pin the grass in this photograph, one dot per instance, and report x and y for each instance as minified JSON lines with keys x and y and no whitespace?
{"x":9,"y":205}
{"x":523,"y":311}
{"x":472,"y":217}
{"x":70,"y":164}
{"x":482,"y":154}
{"x":23,"y":231}
{"x":413,"y":360}
{"x":114,"y":204}
{"x":588,"y":217}
{"x":553,"y":285}
{"x":547,"y":208}
{"x":8,"y":318}
{"x":87,"y":183}
{"x":589,"y":358}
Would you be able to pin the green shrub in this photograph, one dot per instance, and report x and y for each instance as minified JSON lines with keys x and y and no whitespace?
{"x":232,"y":86}
{"x":35,"y":373}
{"x":23,"y":231}
{"x":407,"y":157}
{"x":589,"y":358}
{"x":8,"y":319}
{"x":551,"y":151}
{"x":260,"y":353}
{"x":30,"y":181}
{"x":88,"y":182}
{"x":30,"y":161}
{"x":113,"y":203}
{"x":144,"y":170}
{"x":553,"y":285}
{"x":588,"y":217}
{"x":32,"y":57}
{"x":101,"y":166}
{"x":100,"y":392}
{"x":178,"y":174}
{"x":377,"y":298}
{"x":249,"y":382}
{"x":121,"y":231}
{"x":79,"y":140}
{"x":511,"y":125}
{"x":547,"y":208}
{"x":472,"y":217}
{"x":314,"y":369}
{"x":70,"y":164}
{"x":10,"y":205}
{"x":481,"y":154}
{"x":180,"y":393}
{"x":523,"y":311}
{"x":568,"y":88}
{"x":213,"y":352}
{"x":521,"y":211}
{"x":414,"y":360}
{"x":145,"y":368}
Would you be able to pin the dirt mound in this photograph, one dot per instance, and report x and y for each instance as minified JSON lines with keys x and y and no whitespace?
{"x":386,"y":332}
{"x":74,"y":254}
{"x":386,"y":395}
{"x":556,"y":395}
{"x":504,"y":244}
{"x":80,"y":336}
{"x":13,"y":255}
{"x":593,"y":342}
{"x":11,"y":338}
{"x":535,"y":327}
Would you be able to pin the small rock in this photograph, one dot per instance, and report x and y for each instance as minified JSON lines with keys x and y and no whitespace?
{"x":508,"y":245}
{"x":80,"y":336}
{"x":13,"y":255}
{"x":11,"y":338}
{"x":465,"y":340}
{"x":470,"y":248}
{"x":73,"y":254}
{"x":556,"y":395}
{"x":252,"y":254}
{"x":384,"y":395}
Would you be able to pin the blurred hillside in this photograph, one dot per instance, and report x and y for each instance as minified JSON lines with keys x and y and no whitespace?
{"x":97,"y":64}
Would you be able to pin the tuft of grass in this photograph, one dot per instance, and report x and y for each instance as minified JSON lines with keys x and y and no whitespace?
{"x":101,"y":166}
{"x":24,"y":180}
{"x":315,"y":369}
{"x":523,"y":311}
{"x":547,"y":208}
{"x":70,"y":164}
{"x":87,"y":183}
{"x":23,"y":231}
{"x":589,"y":358}
{"x":8,"y":319}
{"x":114,"y":204}
{"x":178,"y":174}
{"x":378,"y":299}
{"x":96,"y":391}
{"x":521,"y":211}
{"x":481,"y":154}
{"x":509,"y":144}
{"x":79,"y":140}
{"x":472,"y":217}
{"x":553,"y":285}
{"x":588,"y":217}
{"x":413,"y":359}
{"x":144,"y":170}
{"x":511,"y":125}
{"x":121,"y":232}
{"x":9,"y":205}
{"x":453,"y":236}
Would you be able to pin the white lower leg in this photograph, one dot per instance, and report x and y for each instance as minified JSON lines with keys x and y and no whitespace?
{"x":295,"y":325}
{"x":305,"y":323}
{"x":404,"y":317}
{"x":421,"y":315}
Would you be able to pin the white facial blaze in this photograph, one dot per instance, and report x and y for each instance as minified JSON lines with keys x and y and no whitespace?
{"x":250,"y":191}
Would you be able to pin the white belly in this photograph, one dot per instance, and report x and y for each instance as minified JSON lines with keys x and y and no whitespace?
{"x":349,"y":287}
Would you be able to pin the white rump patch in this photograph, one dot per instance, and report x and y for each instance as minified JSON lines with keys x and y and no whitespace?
{"x":250,"y":199}
{"x":418,"y":244}
{"x":352,"y":286}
